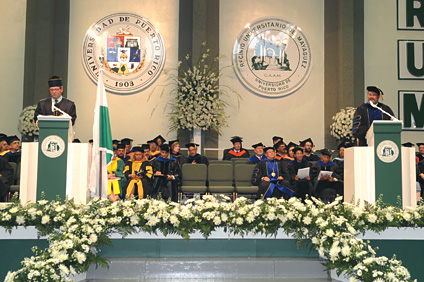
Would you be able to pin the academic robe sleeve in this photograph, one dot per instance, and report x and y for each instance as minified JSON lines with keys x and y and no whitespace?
{"x":360,"y":124}
{"x":315,"y":170}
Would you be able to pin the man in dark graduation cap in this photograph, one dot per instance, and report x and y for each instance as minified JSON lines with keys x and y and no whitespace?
{"x":307,"y":145}
{"x":167,"y":175}
{"x":280,"y":148}
{"x":302,"y":186}
{"x":259,"y":154}
{"x":154,"y":152}
{"x":420,"y":153}
{"x":326,"y":187}
{"x":237,"y":151}
{"x":120,"y":152}
{"x":44,"y":107}
{"x":14,"y":154}
{"x":193,"y":156}
{"x":128,"y":145}
{"x":365,"y":114}
{"x":146,"y":150}
{"x":275,"y":139}
{"x":272,"y":177}
{"x":115,"y":143}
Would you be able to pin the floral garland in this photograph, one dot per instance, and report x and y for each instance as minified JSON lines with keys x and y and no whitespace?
{"x":342,"y":125}
{"x":198,"y":102}
{"x":75,"y":231}
{"x":26,"y":123}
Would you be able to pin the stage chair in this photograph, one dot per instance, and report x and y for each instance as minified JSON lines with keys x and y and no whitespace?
{"x":220,"y":177}
{"x":243,"y":177}
{"x":194,"y":177}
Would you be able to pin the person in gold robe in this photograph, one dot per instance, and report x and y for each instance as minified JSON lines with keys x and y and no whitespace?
{"x":116,"y":178}
{"x":139,"y":173}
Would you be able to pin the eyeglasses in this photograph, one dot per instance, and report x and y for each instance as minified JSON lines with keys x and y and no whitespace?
{"x":55,"y":89}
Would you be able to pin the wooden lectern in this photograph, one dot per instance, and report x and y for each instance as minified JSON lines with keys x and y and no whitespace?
{"x":383,"y":168}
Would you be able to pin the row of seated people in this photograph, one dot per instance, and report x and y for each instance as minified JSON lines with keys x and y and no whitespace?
{"x":150,"y":172}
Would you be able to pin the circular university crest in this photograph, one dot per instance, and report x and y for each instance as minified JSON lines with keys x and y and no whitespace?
{"x":53,"y":146}
{"x":129,"y":48}
{"x":387,"y":151}
{"x":272,"y":57}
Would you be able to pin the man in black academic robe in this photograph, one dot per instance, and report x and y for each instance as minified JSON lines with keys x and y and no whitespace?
{"x":44,"y":107}
{"x":307,"y":145}
{"x":167,"y":175}
{"x":303,"y":186}
{"x":326,"y":186}
{"x":237,"y":151}
{"x":193,"y":156}
{"x":420,"y":153}
{"x":6,"y":178}
{"x":259,"y":154}
{"x":14,"y":155}
{"x":366,"y":114}
{"x":272,"y":177}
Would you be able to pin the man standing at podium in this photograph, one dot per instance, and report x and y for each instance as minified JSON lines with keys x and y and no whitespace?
{"x":45,"y":106}
{"x":367,"y":113}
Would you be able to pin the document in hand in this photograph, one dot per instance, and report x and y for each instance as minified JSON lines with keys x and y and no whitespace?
{"x":303,"y":172}
{"x":324,"y":173}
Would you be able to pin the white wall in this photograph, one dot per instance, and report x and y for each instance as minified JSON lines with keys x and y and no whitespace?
{"x":380,"y":47}
{"x":295,"y":117}
{"x":130,"y":115}
{"x":12,"y":55}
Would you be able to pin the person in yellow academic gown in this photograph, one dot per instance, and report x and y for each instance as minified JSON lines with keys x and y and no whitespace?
{"x":139,"y":173}
{"x":116,"y":177}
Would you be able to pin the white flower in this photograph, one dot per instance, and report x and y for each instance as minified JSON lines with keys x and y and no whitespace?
{"x":372,"y":218}
{"x":346,"y":251}
{"x":80,"y":257}
{"x":307,"y":220}
{"x":45,"y":219}
{"x":20,"y":220}
{"x":64,"y":269}
{"x":93,"y":238}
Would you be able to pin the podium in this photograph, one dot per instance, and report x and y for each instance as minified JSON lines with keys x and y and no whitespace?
{"x":383,"y":168}
{"x":54,"y":165}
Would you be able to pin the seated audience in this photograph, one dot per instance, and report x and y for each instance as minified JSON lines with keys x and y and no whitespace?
{"x":237,"y":151}
{"x":115,"y":177}
{"x":6,"y":178}
{"x":272,"y":177}
{"x":259,"y":154}
{"x":138,"y":172}
{"x":302,"y":186}
{"x":326,"y":186}
{"x":167,"y":175}
{"x":193,"y":156}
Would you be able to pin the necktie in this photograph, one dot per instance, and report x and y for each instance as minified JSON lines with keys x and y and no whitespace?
{"x":56,"y":113}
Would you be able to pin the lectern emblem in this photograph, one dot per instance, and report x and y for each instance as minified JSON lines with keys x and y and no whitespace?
{"x":387,"y":151}
{"x":53,"y":146}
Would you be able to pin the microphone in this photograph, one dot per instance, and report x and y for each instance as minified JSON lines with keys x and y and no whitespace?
{"x":54,"y":108}
{"x":383,"y":111}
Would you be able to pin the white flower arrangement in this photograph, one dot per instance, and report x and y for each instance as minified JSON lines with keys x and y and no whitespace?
{"x":197,"y":101}
{"x":75,"y":231}
{"x":26,"y":123}
{"x":342,"y":125}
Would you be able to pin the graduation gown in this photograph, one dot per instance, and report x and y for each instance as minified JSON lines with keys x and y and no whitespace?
{"x":311,"y":158}
{"x":254,"y":159}
{"x":6,"y":178}
{"x":142,"y":187}
{"x":230,"y":153}
{"x":302,"y":187}
{"x":44,"y":107}
{"x":14,"y":157}
{"x":198,"y":159}
{"x":274,"y":187}
{"x":161,"y":184}
{"x":117,"y":167}
{"x":181,"y":159}
{"x":363,"y":118}
{"x":320,"y":185}
{"x":419,"y":170}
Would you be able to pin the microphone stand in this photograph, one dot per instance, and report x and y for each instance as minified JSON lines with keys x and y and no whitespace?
{"x":383,"y":111}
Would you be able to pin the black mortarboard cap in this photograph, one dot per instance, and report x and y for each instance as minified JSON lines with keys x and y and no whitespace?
{"x":126,"y":141}
{"x":375,"y":89}
{"x":10,"y":139}
{"x":325,"y":152}
{"x":275,"y":138}
{"x":188,"y":145}
{"x":161,"y":138}
{"x":235,"y":139}
{"x":302,"y":143}
{"x":115,"y":141}
{"x":268,"y":148}
{"x":3,"y":135}
{"x":408,"y":144}
{"x":3,"y":138}
{"x":257,"y":145}
{"x":164,"y":147}
{"x":138,"y":149}
{"x":420,"y":144}
{"x":152,"y":141}
{"x":297,"y":149}
{"x":173,"y":141}
{"x":120,"y":146}
{"x":145,"y":146}
{"x":55,"y":81}
{"x":76,"y":140}
{"x":291,"y":144}
{"x":90,"y":141}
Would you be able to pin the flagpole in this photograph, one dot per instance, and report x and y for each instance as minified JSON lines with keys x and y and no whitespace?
{"x":101,"y":175}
